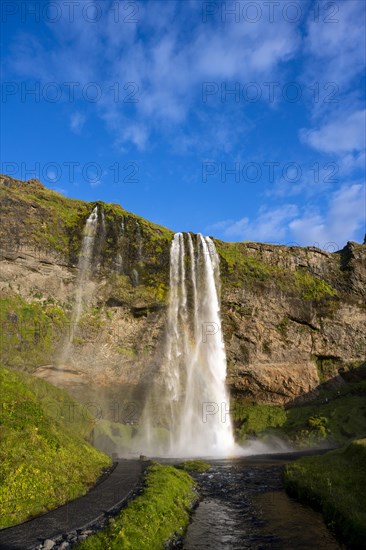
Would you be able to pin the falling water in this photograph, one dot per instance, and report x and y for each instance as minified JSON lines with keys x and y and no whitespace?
{"x":194,"y":369}
{"x":119,"y":258}
{"x":83,"y":284}
{"x":84,"y":263}
{"x":139,"y":242}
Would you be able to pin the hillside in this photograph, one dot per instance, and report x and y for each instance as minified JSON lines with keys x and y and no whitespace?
{"x":45,"y":459}
{"x":293,"y":318}
{"x":334,"y":483}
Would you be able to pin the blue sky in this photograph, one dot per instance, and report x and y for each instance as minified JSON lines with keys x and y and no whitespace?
{"x":242,"y":120}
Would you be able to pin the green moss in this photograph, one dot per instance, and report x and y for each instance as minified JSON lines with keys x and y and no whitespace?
{"x":282,"y":327}
{"x":153,"y":518}
{"x":238,"y":264}
{"x":44,"y":461}
{"x":336,"y":416}
{"x":48,"y":216}
{"x":311,"y":287}
{"x":327,"y":367}
{"x":334,"y":483}
{"x":52,"y":222}
{"x":256,"y":420}
{"x":124,"y":293}
{"x":194,"y":466}
{"x":343,"y":412}
{"x":127,"y":352}
{"x":243,"y":265}
{"x":30,"y":331}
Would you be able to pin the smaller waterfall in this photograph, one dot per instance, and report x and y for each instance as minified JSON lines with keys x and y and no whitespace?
{"x":119,"y":263}
{"x":119,"y":258}
{"x":83,"y":286}
{"x":84,"y":263}
{"x":139,"y":242}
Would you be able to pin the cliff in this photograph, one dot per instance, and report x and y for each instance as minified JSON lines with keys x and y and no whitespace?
{"x":292,"y":317}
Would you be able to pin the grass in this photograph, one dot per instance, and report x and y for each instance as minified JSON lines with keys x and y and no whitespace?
{"x":44,"y":459}
{"x":256,"y":420}
{"x":241,"y":266}
{"x":311,"y":287}
{"x":194,"y":466}
{"x":159,"y":514}
{"x":112,"y":436}
{"x":336,"y":416}
{"x":238,"y":264}
{"x":30,"y":332}
{"x":334,"y":483}
{"x":52,"y":222}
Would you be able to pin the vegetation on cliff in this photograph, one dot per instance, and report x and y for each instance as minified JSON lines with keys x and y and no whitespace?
{"x":334,"y":417}
{"x":335,"y":484}
{"x":45,"y":459}
{"x":30,"y":331}
{"x":246,"y":263}
{"x":160,"y":513}
{"x":52,"y":223}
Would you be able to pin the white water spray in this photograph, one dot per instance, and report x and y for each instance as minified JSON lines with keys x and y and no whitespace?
{"x":194,"y":369}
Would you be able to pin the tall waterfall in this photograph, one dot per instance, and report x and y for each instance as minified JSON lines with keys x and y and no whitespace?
{"x":83,"y":286}
{"x":192,"y":388}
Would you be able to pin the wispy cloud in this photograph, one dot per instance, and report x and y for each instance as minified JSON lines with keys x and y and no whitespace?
{"x":77,"y":121}
{"x":168,"y":66}
{"x":334,"y":44}
{"x":344,"y":217}
{"x":345,"y":134}
{"x":270,"y":225}
{"x":341,"y":220}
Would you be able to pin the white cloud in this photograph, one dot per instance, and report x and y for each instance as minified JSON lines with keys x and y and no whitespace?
{"x":77,"y":122}
{"x":335,"y":42}
{"x":344,"y":217}
{"x":345,"y":134}
{"x":269,"y":226}
{"x":177,"y":54}
{"x":342,"y":220}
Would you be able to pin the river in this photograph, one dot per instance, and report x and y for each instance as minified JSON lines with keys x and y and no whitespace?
{"x":244,"y":506}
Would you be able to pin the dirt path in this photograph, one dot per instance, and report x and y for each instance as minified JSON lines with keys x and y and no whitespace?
{"x":78,"y":514}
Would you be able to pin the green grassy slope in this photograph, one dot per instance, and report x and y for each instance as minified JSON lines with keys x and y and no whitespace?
{"x":335,"y":483}
{"x":152,"y":518}
{"x":45,"y":459}
{"x":336,"y":416}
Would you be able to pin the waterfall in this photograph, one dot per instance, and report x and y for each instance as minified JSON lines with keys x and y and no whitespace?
{"x":83,"y":286}
{"x":119,"y":258}
{"x":139,"y":242}
{"x":192,"y":388}
{"x":84,"y":263}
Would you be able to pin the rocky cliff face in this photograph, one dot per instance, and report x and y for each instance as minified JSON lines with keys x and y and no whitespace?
{"x":302,"y":325}
{"x":292,"y":317}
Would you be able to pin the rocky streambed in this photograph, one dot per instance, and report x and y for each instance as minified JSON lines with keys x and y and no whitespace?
{"x":244,"y":506}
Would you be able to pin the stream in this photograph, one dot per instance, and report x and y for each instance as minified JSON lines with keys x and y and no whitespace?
{"x":244,"y":506}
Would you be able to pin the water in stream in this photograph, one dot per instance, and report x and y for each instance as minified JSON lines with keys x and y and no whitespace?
{"x":244,"y":506}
